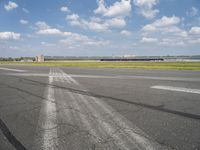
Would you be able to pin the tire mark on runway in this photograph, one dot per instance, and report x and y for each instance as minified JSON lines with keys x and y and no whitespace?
{"x":102,"y":128}
{"x":116,"y":126}
{"x":75,"y":127}
{"x":10,"y":137}
{"x":126,"y":77}
{"x":85,"y":120}
{"x":105,"y":97}
{"x":111,"y":132}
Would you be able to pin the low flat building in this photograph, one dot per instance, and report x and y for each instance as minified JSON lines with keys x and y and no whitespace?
{"x":26,"y":60}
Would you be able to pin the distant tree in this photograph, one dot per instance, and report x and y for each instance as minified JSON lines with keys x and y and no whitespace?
{"x":21,"y":58}
{"x":10,"y":59}
{"x":16,"y":59}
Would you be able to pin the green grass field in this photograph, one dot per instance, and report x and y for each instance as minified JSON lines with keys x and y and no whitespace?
{"x":96,"y":64}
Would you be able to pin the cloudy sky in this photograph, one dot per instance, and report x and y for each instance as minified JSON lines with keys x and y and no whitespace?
{"x":99,"y":27}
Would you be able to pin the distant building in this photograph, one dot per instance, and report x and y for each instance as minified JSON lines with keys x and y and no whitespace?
{"x":129,"y":56}
{"x":39,"y":58}
{"x":26,"y":60}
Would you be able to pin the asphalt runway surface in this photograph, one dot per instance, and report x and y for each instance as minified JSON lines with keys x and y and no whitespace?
{"x":57,"y":108}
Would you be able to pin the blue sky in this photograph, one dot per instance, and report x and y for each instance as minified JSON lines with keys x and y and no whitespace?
{"x":99,"y":27}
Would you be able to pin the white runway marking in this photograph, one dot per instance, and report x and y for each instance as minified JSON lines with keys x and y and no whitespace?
{"x":48,"y":138}
{"x":104,"y":127}
{"x":178,"y":89}
{"x":134,"y":134}
{"x":103,"y":122}
{"x":50,"y":125}
{"x":9,"y":69}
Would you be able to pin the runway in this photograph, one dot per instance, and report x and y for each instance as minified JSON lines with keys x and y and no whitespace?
{"x":57,"y":108}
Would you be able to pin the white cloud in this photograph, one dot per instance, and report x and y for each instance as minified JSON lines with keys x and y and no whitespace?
{"x":45,"y":29}
{"x":149,"y":40}
{"x":64,"y":9}
{"x":14,"y":47}
{"x":111,"y":17}
{"x":171,"y":29}
{"x":182,"y":33}
{"x":68,"y":40}
{"x":149,"y":28}
{"x":192,"y":12}
{"x":116,"y":22}
{"x":75,"y":38}
{"x":96,"y":19}
{"x":126,"y":33}
{"x":195,"y":30}
{"x":195,"y":41}
{"x":171,"y":42}
{"x":101,"y":7}
{"x":146,"y":8}
{"x":71,"y":39}
{"x":51,"y":31}
{"x":93,"y":24}
{"x":166,"y":28}
{"x":166,"y":41}
{"x":47,"y":44}
{"x":73,"y":17}
{"x":9,"y":36}
{"x":96,"y":24}
{"x":174,"y":30}
{"x":25,"y":10}
{"x":149,"y":14}
{"x":148,"y":3}
{"x":23,"y":21}
{"x":122,"y":8}
{"x":42,"y":25}
{"x":179,"y":43}
{"x":97,"y":42}
{"x":10,"y":6}
{"x":166,"y":21}
{"x":165,"y":24}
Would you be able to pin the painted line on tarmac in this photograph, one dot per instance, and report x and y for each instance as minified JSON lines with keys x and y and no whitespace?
{"x":60,"y":75}
{"x":50,"y":134}
{"x":48,"y":138}
{"x":10,"y":69}
{"x":178,"y":89}
{"x":122,"y":132}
